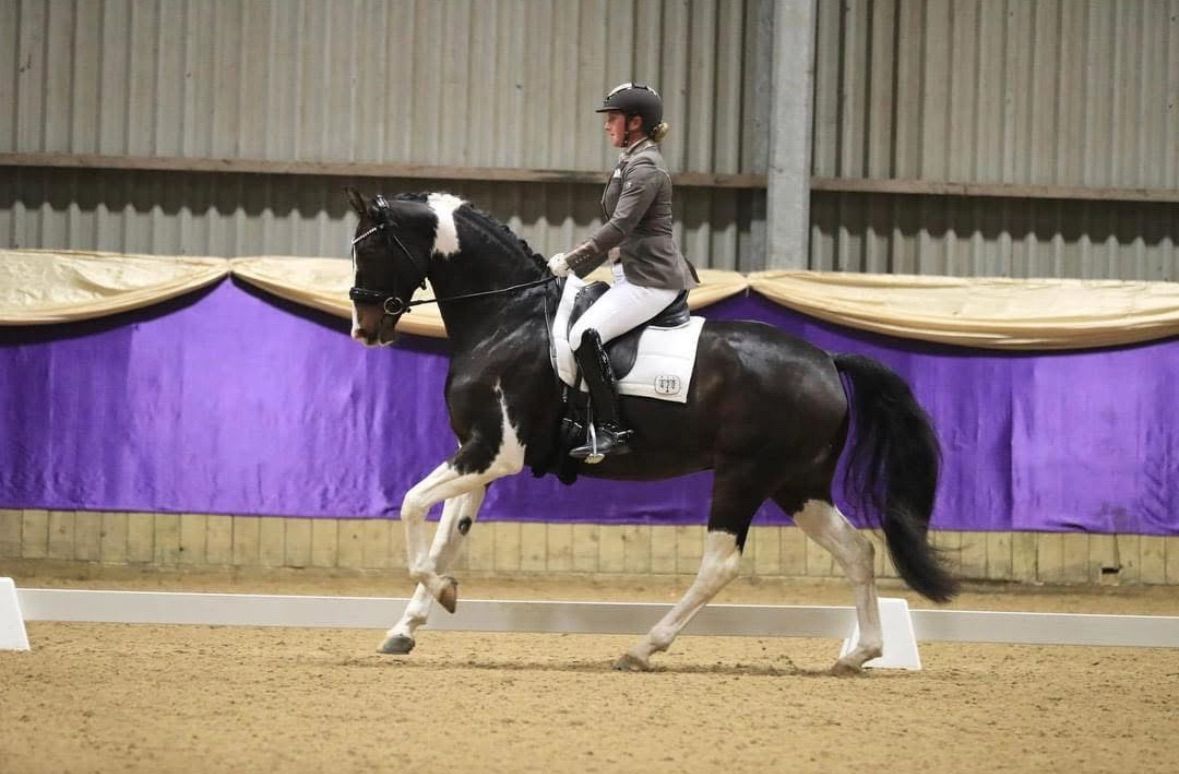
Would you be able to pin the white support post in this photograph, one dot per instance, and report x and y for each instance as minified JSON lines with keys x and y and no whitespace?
{"x":788,"y":194}
{"x":12,"y":623}
{"x":900,"y":640}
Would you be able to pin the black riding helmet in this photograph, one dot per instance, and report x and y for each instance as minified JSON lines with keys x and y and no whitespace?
{"x":635,"y":99}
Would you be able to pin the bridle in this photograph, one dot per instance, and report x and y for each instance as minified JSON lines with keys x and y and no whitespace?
{"x":392,"y":304}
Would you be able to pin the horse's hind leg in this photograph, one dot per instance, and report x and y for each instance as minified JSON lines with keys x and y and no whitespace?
{"x":826,"y":525}
{"x":457,"y":516}
{"x":733,"y":507}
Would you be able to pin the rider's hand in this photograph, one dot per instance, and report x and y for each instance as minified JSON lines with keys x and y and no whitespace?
{"x":558,"y":266}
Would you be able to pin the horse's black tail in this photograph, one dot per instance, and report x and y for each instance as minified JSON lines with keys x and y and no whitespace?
{"x":893,"y":468}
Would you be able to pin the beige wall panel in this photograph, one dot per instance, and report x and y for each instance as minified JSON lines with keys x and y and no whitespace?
{"x":167,"y":539}
{"x":689,"y":548}
{"x":1129,"y":558}
{"x":999,"y":556}
{"x":194,"y":540}
{"x":88,"y":536}
{"x":507,"y":546}
{"x":247,"y":541}
{"x":1172,"y":559}
{"x":560,"y":547}
{"x":298,"y":543}
{"x":375,"y":544}
{"x":766,"y":543}
{"x":141,"y":537}
{"x":586,"y":538}
{"x":113,"y":549}
{"x":397,"y":557}
{"x":325,"y":542}
{"x":350,"y":550}
{"x":663,"y":550}
{"x":1050,"y":557}
{"x":194,"y":529}
{"x":1153,"y":568}
{"x":1075,"y":562}
{"x":792,"y":549}
{"x":11,"y":524}
{"x":636,"y":549}
{"x":61,"y":534}
{"x":219,"y":540}
{"x":272,"y":542}
{"x":480,"y":546}
{"x":974,"y":555}
{"x":1103,"y":553}
{"x":611,"y":549}
{"x":1024,"y":556}
{"x":533,"y":547}
{"x":34,"y":533}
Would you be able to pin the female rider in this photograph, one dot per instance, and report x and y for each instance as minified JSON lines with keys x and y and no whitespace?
{"x":649,"y":269}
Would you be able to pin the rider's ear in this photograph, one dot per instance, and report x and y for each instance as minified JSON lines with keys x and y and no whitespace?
{"x":356,"y":199}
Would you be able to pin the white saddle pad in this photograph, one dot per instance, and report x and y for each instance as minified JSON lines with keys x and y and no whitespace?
{"x":663,"y":365}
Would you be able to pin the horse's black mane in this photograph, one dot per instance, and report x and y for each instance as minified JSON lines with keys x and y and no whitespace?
{"x":488,"y":224}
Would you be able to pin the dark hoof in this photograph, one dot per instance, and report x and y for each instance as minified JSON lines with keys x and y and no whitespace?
{"x":448,"y":597}
{"x":397,"y":645}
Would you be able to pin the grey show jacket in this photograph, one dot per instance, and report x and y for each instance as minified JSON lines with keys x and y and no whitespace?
{"x":637,"y":208}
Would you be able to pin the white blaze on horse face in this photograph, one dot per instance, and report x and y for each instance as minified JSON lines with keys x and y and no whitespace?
{"x":446,"y":241}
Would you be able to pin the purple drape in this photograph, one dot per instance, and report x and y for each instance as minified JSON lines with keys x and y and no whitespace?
{"x":230,"y":401}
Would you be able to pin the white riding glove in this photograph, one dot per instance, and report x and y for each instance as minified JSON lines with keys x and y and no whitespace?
{"x":558,"y":266}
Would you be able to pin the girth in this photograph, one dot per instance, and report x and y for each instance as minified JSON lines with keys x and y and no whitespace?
{"x":624,"y":349}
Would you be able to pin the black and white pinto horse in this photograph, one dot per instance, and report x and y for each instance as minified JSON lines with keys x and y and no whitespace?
{"x":766,"y":412}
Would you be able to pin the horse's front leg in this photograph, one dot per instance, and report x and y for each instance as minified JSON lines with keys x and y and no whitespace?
{"x":476,"y":464}
{"x":457,"y":516}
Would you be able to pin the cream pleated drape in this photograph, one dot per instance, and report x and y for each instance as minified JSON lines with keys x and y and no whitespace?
{"x":42,"y":286}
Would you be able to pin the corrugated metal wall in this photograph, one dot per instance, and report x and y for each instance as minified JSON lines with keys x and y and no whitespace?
{"x":988,"y":91}
{"x":466,"y":83}
{"x":997,"y":91}
{"x":251,"y":214}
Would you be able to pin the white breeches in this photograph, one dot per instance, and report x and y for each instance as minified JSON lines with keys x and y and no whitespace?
{"x":620,"y":309}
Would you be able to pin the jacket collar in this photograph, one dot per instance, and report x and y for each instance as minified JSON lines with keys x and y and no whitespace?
{"x":635,"y":147}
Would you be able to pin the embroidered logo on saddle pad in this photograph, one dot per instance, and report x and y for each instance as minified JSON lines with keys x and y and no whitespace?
{"x":663,"y":363}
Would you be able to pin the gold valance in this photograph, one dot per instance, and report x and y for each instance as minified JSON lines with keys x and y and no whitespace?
{"x":43,"y":286}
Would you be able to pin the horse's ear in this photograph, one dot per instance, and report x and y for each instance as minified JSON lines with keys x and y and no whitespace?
{"x":356,"y":199}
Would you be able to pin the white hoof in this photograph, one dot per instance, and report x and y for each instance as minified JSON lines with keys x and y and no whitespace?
{"x":629,"y":662}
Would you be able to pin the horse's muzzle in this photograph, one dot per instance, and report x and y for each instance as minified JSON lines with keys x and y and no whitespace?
{"x":384,"y":337}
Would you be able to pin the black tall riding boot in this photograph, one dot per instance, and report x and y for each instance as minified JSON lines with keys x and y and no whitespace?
{"x":607,"y":435}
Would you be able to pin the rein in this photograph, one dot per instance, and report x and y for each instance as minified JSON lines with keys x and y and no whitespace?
{"x":365,"y":295}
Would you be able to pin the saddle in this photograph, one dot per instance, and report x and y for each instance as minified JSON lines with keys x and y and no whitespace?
{"x":624,"y":350}
{"x":654,"y":360}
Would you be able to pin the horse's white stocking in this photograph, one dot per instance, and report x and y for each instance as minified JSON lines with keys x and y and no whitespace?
{"x":827,"y":526}
{"x":721,"y":563}
{"x":444,"y":483}
{"x":457,"y":516}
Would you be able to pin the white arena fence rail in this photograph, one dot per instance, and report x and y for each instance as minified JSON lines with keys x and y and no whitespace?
{"x":140,"y":607}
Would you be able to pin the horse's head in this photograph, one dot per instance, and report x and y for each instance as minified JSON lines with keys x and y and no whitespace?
{"x":391,"y":252}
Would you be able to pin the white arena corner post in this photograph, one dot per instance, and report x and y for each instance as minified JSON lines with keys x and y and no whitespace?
{"x":900,"y":640}
{"x":12,"y":623}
